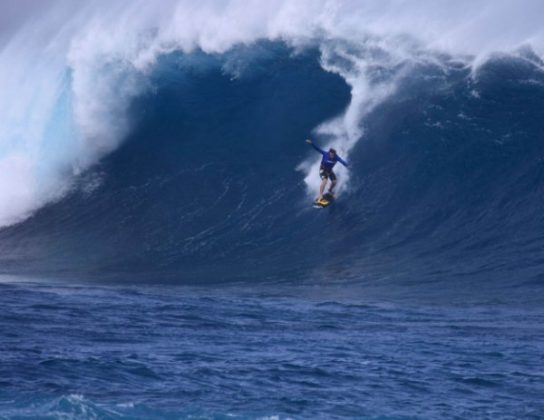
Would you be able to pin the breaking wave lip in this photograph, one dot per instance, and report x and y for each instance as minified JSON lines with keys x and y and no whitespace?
{"x":93,"y":61}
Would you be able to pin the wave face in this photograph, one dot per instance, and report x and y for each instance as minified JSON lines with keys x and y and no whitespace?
{"x":447,"y":181}
{"x":200,"y":172}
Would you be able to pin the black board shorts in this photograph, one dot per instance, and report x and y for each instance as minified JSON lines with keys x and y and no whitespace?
{"x":326,"y":174}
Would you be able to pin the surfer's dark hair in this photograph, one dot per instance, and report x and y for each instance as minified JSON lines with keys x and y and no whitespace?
{"x":331,"y":150}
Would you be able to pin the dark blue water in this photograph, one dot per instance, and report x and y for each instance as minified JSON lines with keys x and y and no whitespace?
{"x":188,"y":276}
{"x":167,"y":352}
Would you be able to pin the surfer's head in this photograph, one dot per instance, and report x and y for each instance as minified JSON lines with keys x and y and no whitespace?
{"x":332,"y":152}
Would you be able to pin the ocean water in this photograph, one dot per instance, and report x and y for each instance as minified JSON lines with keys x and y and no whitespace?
{"x":159,"y":254}
{"x":187,"y":352}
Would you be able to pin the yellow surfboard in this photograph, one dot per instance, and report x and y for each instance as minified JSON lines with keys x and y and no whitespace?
{"x":326,"y":201}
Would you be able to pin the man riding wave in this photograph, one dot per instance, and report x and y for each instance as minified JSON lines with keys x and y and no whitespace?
{"x":328,"y":161}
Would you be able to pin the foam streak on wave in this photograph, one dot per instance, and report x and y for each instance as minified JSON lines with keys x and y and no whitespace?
{"x":68,"y":73}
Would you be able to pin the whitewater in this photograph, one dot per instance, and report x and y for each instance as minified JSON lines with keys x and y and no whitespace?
{"x":159,"y":254}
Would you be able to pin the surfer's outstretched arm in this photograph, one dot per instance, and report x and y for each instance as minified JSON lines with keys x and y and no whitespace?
{"x":342,"y":161}
{"x":315,"y":147}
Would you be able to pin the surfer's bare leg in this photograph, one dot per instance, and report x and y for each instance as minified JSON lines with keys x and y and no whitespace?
{"x":322,"y":188}
{"x":331,"y":188}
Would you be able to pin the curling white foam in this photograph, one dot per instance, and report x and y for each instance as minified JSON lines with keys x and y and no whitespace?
{"x":68,"y":71}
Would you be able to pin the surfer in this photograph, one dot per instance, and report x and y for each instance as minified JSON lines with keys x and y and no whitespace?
{"x":325,"y":170}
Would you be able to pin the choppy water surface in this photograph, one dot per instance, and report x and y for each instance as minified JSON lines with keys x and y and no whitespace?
{"x":110,"y":352}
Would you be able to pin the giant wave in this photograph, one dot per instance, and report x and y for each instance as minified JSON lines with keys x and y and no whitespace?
{"x":171,"y":146}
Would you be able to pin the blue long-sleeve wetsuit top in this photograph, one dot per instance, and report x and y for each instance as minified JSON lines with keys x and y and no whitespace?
{"x":326,"y":162}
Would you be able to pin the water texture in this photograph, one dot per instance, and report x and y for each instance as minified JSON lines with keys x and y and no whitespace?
{"x":159,"y":254}
{"x":111,"y":352}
